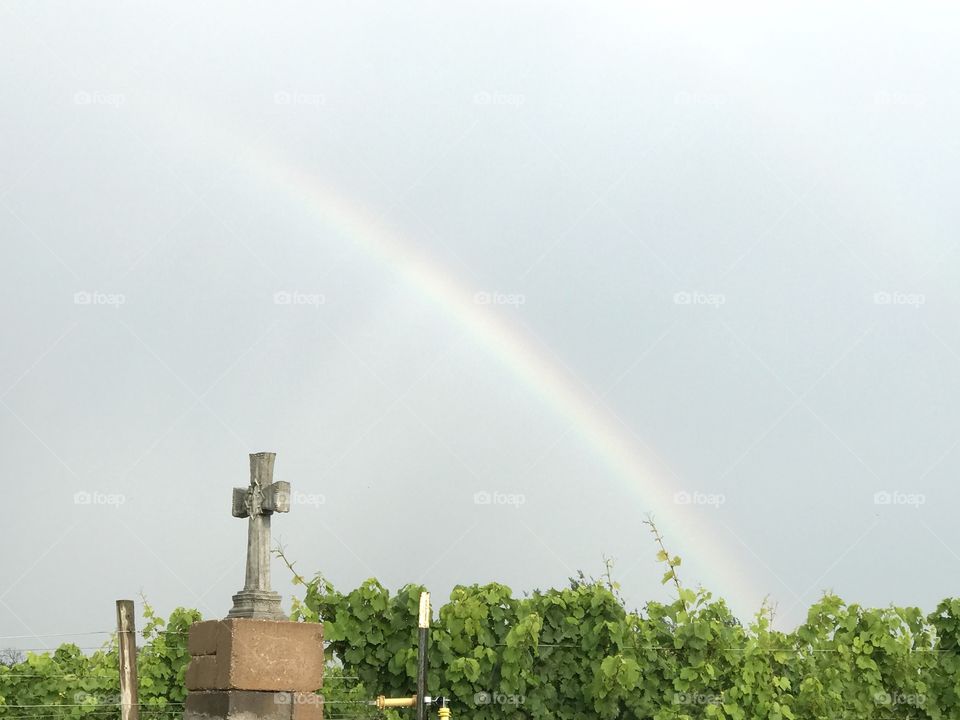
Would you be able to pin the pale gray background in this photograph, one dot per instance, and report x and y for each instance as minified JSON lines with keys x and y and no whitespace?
{"x":795,"y":161}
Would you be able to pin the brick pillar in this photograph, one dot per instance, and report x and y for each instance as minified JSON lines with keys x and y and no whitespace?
{"x":243,"y":669}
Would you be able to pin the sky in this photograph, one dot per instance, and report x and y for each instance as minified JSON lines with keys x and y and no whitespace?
{"x":496,"y":282}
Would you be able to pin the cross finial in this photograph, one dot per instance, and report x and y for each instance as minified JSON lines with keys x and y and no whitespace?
{"x":258,"y":502}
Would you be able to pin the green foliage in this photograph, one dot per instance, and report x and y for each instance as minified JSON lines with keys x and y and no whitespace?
{"x":576,"y":652}
{"x":569,"y":653}
{"x":68,"y":684}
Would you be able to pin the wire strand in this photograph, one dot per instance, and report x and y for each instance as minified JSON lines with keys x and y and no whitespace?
{"x":50,"y":635}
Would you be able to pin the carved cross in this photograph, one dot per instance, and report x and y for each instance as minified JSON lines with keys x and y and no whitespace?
{"x":258,"y":502}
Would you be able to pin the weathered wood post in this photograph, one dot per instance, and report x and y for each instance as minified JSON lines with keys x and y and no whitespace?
{"x":423,"y":647}
{"x":127,"y":643}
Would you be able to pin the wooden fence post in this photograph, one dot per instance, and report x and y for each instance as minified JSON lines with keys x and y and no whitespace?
{"x":127,"y":642}
{"x":423,"y":647}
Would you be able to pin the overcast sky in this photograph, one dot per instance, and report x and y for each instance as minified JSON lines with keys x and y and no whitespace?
{"x":495,"y":282}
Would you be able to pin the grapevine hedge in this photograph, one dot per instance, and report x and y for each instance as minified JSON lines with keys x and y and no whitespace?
{"x":567,"y":653}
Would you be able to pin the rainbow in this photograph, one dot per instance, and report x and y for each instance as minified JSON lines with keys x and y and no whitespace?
{"x":706,"y":549}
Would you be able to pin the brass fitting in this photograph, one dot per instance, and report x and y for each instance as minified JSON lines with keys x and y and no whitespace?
{"x":385,"y":702}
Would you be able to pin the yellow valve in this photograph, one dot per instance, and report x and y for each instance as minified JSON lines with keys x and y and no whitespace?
{"x":385,"y":702}
{"x":443,"y":713}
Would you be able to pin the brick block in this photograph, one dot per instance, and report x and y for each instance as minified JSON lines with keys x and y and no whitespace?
{"x":306,"y":706}
{"x":247,"y":705}
{"x":202,"y":673}
{"x":205,"y":636}
{"x":271,"y":655}
{"x":263,"y":655}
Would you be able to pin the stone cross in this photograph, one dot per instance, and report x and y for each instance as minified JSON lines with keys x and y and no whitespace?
{"x":258,"y":502}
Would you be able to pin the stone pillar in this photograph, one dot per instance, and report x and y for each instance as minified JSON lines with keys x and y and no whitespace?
{"x":243,"y":669}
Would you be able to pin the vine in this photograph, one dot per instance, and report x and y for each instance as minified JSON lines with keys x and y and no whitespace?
{"x":566,"y":653}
